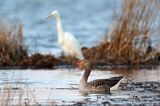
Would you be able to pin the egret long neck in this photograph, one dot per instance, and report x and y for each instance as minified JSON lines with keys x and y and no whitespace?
{"x":59,"y":27}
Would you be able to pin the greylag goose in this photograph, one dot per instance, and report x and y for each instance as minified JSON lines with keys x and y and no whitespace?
{"x":96,"y":86}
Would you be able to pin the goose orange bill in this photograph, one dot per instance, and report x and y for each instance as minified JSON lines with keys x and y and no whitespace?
{"x":79,"y":64}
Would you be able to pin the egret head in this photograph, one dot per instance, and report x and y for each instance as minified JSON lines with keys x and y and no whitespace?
{"x":53,"y":14}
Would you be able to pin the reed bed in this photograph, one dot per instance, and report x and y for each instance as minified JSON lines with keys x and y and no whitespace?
{"x":12,"y":49}
{"x":129,"y":38}
{"x":39,"y":61}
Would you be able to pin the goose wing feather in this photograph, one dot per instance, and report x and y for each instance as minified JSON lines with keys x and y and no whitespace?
{"x":109,"y":82}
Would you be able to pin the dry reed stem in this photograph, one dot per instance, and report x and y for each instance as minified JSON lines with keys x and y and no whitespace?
{"x":128,"y":41}
{"x":12,"y":49}
{"x":11,"y":91}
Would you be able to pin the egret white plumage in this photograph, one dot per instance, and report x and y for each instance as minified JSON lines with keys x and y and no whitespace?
{"x":68,"y":42}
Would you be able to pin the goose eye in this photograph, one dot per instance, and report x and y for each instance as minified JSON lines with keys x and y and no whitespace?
{"x":85,"y":61}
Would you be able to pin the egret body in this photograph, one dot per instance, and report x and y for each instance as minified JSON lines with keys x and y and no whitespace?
{"x":68,"y":42}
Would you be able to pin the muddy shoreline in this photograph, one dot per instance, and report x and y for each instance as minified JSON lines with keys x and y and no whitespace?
{"x":134,"y":93}
{"x":39,"y":61}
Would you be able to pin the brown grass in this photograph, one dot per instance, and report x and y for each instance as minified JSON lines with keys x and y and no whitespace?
{"x":12,"y":49}
{"x":130,"y":41}
{"x":39,"y":61}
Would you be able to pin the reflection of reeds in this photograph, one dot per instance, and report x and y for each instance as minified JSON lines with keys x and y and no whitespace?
{"x":12,"y":49}
{"x":130,"y":38}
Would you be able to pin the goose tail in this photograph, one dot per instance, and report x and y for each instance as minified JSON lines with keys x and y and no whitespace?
{"x":115,"y":87}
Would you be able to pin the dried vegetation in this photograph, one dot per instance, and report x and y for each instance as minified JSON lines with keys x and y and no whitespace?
{"x":131,"y":38}
{"x":12,"y":49}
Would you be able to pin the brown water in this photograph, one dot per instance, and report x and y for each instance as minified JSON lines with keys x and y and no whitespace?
{"x":60,"y":86}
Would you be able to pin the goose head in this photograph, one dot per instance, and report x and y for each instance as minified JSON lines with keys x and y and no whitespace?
{"x":53,"y":14}
{"x":83,"y":64}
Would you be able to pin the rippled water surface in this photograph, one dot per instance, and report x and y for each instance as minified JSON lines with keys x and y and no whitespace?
{"x":60,"y":86}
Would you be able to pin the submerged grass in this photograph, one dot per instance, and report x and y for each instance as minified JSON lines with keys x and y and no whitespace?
{"x":16,"y":92}
{"x":128,"y":40}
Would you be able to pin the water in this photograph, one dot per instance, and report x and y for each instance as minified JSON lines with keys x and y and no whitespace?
{"x":85,"y":19}
{"x":60,"y":86}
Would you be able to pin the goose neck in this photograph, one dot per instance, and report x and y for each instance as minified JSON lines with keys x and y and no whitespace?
{"x":83,"y":81}
{"x":87,"y":73}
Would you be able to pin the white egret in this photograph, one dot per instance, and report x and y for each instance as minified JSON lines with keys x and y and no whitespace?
{"x":68,"y":42}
